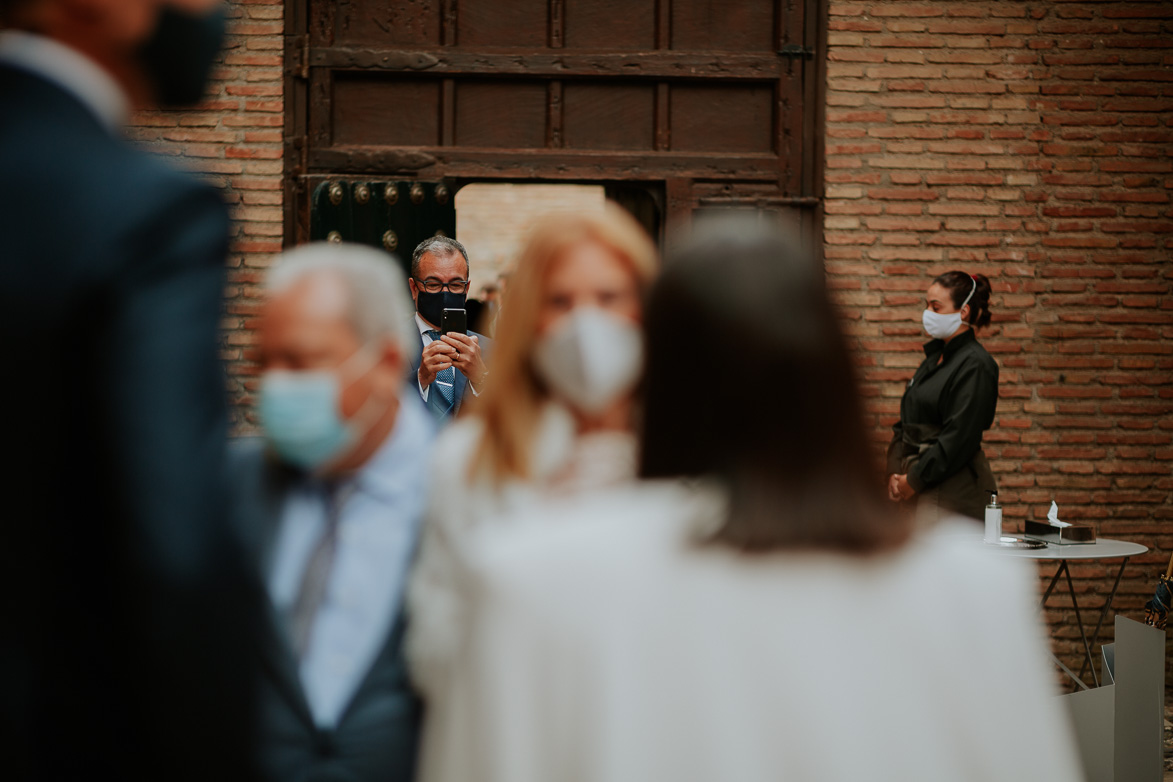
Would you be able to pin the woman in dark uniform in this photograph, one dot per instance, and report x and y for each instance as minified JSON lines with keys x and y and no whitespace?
{"x":936,"y":451}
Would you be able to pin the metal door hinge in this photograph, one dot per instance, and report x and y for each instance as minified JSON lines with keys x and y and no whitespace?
{"x":794,"y":50}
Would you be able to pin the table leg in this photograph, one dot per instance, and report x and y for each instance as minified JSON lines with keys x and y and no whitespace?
{"x":1079,"y":621}
{"x":1051,"y":586}
{"x":1103,"y":614}
{"x":1078,"y":680}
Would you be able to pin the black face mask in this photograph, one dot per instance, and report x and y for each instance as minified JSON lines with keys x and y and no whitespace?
{"x":178,"y":56}
{"x":431,"y":306}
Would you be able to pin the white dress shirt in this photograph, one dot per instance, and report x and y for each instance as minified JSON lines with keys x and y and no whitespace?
{"x":377,"y":530}
{"x":69,"y":69}
{"x":424,"y":328}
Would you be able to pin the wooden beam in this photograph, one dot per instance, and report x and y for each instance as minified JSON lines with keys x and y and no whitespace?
{"x":660,"y":64}
{"x":542,"y":163}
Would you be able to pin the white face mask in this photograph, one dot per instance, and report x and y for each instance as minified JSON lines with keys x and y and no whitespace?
{"x":941,"y":325}
{"x":590,"y":359}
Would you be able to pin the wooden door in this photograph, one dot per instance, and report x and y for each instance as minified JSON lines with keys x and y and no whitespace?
{"x":390,"y":214}
{"x":698,"y":104}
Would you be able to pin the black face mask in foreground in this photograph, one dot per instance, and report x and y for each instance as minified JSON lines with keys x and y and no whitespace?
{"x":431,"y":306}
{"x":179,"y":54}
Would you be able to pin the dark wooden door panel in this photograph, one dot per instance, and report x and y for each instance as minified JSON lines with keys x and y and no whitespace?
{"x":382,"y":23}
{"x":511,"y":24}
{"x":366,"y":110}
{"x":721,"y":25}
{"x":609,"y":115}
{"x":723,"y":118}
{"x":610,"y":25}
{"x":685,"y":95}
{"x":505,"y":114}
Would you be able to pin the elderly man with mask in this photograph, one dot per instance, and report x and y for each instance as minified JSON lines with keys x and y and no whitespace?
{"x":127,"y":609}
{"x":333,"y":495}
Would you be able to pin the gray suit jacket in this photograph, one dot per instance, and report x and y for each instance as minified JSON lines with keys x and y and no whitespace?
{"x":376,"y":737}
{"x":434,"y":404}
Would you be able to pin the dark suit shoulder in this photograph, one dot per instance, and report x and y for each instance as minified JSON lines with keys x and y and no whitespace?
{"x":95,"y":202}
{"x":257,"y":485}
{"x":254,"y":473}
{"x":245,"y":453}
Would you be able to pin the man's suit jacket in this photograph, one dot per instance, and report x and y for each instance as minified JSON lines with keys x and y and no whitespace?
{"x":375,"y":739}
{"x":125,"y":601}
{"x":434,"y":404}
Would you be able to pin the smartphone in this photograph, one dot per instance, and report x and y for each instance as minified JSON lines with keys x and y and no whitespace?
{"x":454,"y":320}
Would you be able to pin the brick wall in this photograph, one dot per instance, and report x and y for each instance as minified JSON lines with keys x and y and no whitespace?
{"x":234,"y":139}
{"x":1029,"y":141}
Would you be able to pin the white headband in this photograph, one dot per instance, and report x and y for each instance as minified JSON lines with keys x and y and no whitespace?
{"x":971,"y":293}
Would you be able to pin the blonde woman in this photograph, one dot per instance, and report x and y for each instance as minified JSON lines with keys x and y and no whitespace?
{"x":555,"y":421}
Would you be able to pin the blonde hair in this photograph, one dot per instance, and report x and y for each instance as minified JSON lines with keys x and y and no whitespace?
{"x":514,"y":396}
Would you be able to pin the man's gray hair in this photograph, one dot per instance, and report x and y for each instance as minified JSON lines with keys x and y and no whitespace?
{"x":440,"y":246}
{"x":378,"y":303}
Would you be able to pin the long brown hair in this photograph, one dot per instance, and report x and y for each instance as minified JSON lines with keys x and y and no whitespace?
{"x":514,"y":395}
{"x":749,"y":380}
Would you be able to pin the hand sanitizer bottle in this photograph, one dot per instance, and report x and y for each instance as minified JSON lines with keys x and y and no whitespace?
{"x":993,"y":520}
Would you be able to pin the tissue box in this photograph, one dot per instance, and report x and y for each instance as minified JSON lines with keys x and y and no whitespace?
{"x":1044,"y":530}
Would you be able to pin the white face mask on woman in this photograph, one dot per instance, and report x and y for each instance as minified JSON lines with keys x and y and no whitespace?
{"x":942,"y":325}
{"x":590,"y":359}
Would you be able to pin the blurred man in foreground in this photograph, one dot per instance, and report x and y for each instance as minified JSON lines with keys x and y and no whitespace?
{"x":333,"y":505}
{"x":125,"y":602}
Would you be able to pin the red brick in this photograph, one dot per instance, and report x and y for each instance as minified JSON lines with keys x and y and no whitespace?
{"x":901,"y":9}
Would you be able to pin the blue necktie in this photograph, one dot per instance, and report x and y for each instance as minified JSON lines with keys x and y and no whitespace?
{"x":445,"y":383}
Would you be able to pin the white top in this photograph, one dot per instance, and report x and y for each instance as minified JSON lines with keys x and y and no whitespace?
{"x":610,"y":647}
{"x":1103,"y":548}
{"x":460,"y":514}
{"x":69,"y":69}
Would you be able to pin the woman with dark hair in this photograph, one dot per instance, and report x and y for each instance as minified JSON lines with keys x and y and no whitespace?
{"x":769,"y":618}
{"x":936,"y":451}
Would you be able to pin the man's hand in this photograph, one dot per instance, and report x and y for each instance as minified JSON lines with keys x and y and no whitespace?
{"x":467,"y":357}
{"x":437,"y":357}
{"x":899,"y":488}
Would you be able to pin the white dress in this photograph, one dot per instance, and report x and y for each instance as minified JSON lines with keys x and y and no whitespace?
{"x":460,"y":514}
{"x":611,"y":647}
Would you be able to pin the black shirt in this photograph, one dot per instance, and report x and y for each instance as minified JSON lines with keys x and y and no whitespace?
{"x":948,"y":405}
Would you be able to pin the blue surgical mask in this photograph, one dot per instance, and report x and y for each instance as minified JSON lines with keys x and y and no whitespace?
{"x":301,"y":417}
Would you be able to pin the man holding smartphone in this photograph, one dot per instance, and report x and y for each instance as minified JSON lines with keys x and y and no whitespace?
{"x":450,"y":359}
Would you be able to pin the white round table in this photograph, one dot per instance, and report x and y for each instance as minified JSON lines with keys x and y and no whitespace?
{"x":1103,"y":548}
